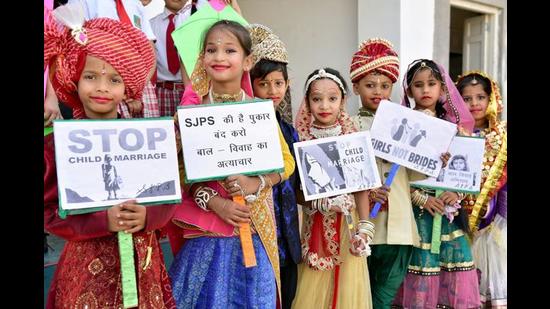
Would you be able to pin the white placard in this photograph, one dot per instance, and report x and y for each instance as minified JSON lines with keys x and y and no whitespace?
{"x":463,"y":171}
{"x":336,"y":165}
{"x":220,"y":140}
{"x":410,"y":138}
{"x":105,"y":162}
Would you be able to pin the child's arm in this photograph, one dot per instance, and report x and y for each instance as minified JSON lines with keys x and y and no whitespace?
{"x":78,"y":227}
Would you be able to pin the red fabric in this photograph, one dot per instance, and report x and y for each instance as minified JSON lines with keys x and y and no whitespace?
{"x":124,"y":47}
{"x":88,"y":271}
{"x":317,"y":242}
{"x":122,"y":15}
{"x":168,"y":99}
{"x":171,"y":52}
{"x":375,"y":55}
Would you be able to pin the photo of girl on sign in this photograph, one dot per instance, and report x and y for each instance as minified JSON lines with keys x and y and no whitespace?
{"x":110,"y":177}
{"x":322,"y":176}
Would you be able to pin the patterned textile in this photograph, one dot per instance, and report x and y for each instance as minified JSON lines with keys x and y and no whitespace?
{"x":150,"y":104}
{"x":88,"y":275}
{"x":445,"y":279}
{"x":374,"y":55}
{"x":209,"y":273}
{"x":168,"y":100}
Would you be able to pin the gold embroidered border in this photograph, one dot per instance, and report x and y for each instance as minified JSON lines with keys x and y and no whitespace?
{"x":264,"y":223}
{"x":374,"y":64}
{"x":492,"y":180}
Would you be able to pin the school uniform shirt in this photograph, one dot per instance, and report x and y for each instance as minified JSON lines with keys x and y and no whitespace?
{"x":396,"y":226}
{"x":107,"y":8}
{"x":159,"y":24}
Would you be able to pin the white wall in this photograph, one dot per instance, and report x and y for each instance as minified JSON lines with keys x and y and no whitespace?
{"x":417,"y":32}
{"x":316,"y":33}
{"x":381,"y":19}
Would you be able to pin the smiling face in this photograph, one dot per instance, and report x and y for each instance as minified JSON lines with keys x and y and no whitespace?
{"x":425,"y":89}
{"x":273,"y":86}
{"x":100,"y":89}
{"x":325,"y":101}
{"x":373,"y":88}
{"x":477,"y":100}
{"x":224,"y":58}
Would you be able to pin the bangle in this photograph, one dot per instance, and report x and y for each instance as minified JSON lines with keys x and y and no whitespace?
{"x":270,"y":183}
{"x":253,"y":197}
{"x":280,"y":177}
{"x":203,"y":195}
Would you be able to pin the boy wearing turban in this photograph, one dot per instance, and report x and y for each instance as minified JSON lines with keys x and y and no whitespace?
{"x":374,"y":69}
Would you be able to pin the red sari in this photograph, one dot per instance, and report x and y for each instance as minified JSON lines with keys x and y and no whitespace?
{"x":88,"y":271}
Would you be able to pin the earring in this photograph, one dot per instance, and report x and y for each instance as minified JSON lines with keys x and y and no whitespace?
{"x":200,"y":80}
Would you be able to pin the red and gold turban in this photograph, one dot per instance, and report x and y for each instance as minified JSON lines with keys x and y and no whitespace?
{"x":124,"y":47}
{"x":374,"y":55}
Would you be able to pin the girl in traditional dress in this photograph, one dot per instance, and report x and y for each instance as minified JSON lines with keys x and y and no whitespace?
{"x":334,"y":273}
{"x":447,"y":279}
{"x":488,"y":210}
{"x":93,"y":68}
{"x":208,"y":270}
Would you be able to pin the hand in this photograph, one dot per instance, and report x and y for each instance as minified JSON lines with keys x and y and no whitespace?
{"x":134,"y":106}
{"x":445,"y":158}
{"x":245,"y":185}
{"x":51,"y":110}
{"x":127,"y":216}
{"x":449,"y":198}
{"x":379,"y":195}
{"x":358,"y":245}
{"x":230,"y":212}
{"x":434,"y":205}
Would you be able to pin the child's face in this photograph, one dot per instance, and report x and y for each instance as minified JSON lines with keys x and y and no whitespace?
{"x":273,"y":86}
{"x":373,"y":88}
{"x":477,"y":100}
{"x":172,"y":5}
{"x":224,"y":58}
{"x":459,"y":164}
{"x":325,"y":101}
{"x":425,"y":89}
{"x":100,"y":89}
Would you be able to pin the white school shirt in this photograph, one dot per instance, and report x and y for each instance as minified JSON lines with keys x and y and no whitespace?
{"x":159,"y":24}
{"x":107,"y":8}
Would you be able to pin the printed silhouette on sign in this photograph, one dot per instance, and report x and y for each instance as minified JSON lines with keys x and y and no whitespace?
{"x":110,"y":177}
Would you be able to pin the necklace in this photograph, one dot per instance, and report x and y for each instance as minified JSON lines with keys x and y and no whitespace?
{"x":322,"y":132}
{"x":224,"y":97}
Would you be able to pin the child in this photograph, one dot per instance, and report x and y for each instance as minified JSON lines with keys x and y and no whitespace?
{"x":171,"y":77}
{"x":270,"y":81}
{"x":482,"y":96}
{"x":458,"y":163}
{"x":131,"y":12}
{"x":447,"y":279}
{"x":334,"y":273}
{"x":208,"y":271}
{"x":373,"y":71}
{"x":92,"y":71}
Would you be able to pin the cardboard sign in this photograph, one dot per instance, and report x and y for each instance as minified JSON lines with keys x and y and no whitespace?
{"x":220,"y":140}
{"x":336,"y":165}
{"x":105,"y":162}
{"x":410,"y":138}
{"x":463,"y":171}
